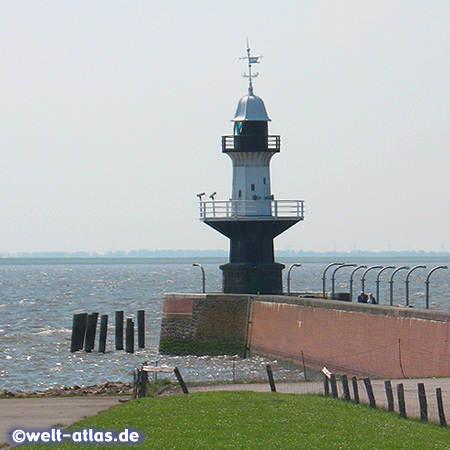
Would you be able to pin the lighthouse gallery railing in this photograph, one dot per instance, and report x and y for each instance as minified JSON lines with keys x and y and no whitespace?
{"x":249,"y":209}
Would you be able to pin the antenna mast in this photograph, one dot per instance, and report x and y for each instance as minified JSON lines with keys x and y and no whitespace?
{"x":251,"y":60}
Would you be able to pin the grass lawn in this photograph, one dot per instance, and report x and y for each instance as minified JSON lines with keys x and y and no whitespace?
{"x":247,"y":420}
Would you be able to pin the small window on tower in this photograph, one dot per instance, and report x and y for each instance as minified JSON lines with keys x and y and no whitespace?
{"x":264,"y":181}
{"x":253,"y":187}
{"x":240,"y":194}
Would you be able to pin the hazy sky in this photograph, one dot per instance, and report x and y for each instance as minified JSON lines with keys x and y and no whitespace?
{"x":112,"y":112}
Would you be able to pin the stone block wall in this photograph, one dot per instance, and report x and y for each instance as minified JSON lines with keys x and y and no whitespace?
{"x":203,"y":324}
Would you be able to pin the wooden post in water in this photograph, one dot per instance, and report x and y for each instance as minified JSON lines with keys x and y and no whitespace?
{"x":345,"y":388}
{"x":119,"y":330}
{"x":355,"y":390}
{"x":78,"y":332}
{"x":141,"y":328}
{"x":334,"y":391}
{"x":270,"y":376}
{"x":91,"y":328}
{"x":129,"y":340}
{"x":422,"y":402}
{"x":440,"y":406}
{"x":181,"y":381}
{"x":389,"y":395}
{"x":401,"y":400}
{"x":103,"y":333}
{"x":369,"y":390}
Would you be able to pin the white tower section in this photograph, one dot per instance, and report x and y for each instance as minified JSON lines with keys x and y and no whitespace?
{"x":251,"y":166}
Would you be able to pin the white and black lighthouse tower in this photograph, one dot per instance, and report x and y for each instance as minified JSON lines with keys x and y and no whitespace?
{"x":252,"y":218}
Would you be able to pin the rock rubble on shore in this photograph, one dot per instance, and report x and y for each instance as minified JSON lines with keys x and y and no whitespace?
{"x":106,"y":388}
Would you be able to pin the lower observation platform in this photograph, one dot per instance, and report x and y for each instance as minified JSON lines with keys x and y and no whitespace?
{"x":251,"y":210}
{"x":251,"y":227}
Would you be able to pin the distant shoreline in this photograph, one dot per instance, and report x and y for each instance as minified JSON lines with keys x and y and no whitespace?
{"x":283,"y":258}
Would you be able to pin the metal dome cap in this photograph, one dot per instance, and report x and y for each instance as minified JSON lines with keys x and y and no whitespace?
{"x":251,"y":108}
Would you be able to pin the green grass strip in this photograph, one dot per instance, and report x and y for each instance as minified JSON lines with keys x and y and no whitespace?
{"x":247,"y":420}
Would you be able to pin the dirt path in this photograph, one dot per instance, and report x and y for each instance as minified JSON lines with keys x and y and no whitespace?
{"x":44,"y":413}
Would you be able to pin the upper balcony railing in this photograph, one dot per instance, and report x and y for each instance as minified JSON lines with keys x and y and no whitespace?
{"x":251,"y":210}
{"x":245,"y":143}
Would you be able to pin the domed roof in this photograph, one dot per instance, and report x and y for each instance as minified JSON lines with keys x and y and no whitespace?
{"x":251,"y":108}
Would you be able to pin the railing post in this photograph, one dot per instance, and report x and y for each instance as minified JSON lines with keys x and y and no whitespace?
{"x":363,"y":279}
{"x":333,"y":276}
{"x":324,"y":278}
{"x":203,"y":276}
{"x":351,"y":280}
{"x":427,"y":285}
{"x":419,"y":266}
{"x":377,"y":297}
{"x":391,"y":282}
{"x":289,"y":276}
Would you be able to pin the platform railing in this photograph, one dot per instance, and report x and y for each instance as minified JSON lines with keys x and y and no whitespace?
{"x":244,"y":143}
{"x":251,"y":209}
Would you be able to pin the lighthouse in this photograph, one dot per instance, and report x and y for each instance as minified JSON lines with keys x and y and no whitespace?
{"x":252,"y":217}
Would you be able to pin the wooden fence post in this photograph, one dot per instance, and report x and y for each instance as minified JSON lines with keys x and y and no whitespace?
{"x":143,"y":382}
{"x":326,"y":385}
{"x":345,"y":388}
{"x":422,"y":402}
{"x":401,"y":400}
{"x":135,"y":382}
{"x":389,"y":395}
{"x":119,"y":330}
{"x":334,"y":391}
{"x":355,"y":390}
{"x":440,"y":406}
{"x":369,"y":390}
{"x":270,"y":376}
{"x":181,"y":381}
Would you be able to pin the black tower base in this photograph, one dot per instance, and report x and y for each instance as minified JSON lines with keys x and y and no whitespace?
{"x":252,"y":278}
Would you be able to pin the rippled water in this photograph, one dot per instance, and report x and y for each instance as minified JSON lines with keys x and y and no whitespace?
{"x":37,"y":303}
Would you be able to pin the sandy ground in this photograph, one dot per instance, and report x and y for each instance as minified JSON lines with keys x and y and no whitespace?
{"x":43,"y":413}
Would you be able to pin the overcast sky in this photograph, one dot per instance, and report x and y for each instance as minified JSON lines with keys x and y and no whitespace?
{"x":112,"y":112}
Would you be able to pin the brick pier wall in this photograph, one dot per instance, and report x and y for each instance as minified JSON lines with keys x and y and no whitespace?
{"x":350,"y":338}
{"x":357,"y":339}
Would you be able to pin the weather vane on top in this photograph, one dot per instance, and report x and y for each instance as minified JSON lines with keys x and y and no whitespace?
{"x":251,"y":60}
